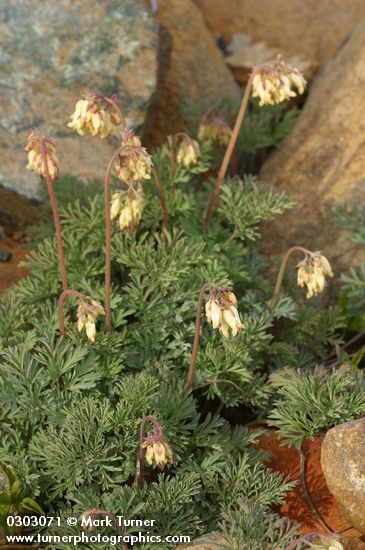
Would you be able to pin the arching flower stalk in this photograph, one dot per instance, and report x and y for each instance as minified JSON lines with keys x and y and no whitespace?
{"x":272,"y":83}
{"x":42,"y":160}
{"x":213,"y":130}
{"x":188,"y":152}
{"x":87,"y":519}
{"x":221,"y":312}
{"x":132,"y":164}
{"x":312,"y":272}
{"x":87,"y":313}
{"x":153,"y":448}
{"x":96,"y":115}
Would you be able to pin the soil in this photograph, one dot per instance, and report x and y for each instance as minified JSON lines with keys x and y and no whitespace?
{"x":16,"y":214}
{"x":285,"y":459}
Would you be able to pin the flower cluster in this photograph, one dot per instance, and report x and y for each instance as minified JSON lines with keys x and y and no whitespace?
{"x":87,"y":313}
{"x":42,"y":157}
{"x":213,"y":130}
{"x":95,"y":115}
{"x":276,"y":82}
{"x":326,"y":543}
{"x":128,"y":205}
{"x":188,"y":152}
{"x":312,"y":272}
{"x":221,"y":312}
{"x":157,"y":449}
{"x":134,"y":163}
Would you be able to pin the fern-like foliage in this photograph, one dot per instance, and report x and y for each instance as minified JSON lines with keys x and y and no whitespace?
{"x":252,"y":526}
{"x":308,"y":403}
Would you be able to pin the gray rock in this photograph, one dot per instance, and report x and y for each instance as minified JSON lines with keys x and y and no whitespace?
{"x":343,"y":464}
{"x":211,"y":541}
{"x":239,"y":41}
{"x":51,"y":53}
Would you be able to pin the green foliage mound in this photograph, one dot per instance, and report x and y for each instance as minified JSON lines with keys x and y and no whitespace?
{"x":70,"y":410}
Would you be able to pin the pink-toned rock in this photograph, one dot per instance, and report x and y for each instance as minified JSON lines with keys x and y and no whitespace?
{"x":343,"y":464}
{"x":321,"y":163}
{"x":311,"y":29}
{"x":195,"y":73}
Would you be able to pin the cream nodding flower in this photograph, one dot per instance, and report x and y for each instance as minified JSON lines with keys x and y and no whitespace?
{"x":188,"y":152}
{"x":326,"y":543}
{"x":157,"y":449}
{"x":95,"y":115}
{"x":213,"y":129}
{"x":134,"y":163}
{"x":312,"y":272}
{"x":87,"y":313}
{"x":221,"y":312}
{"x":128,"y":205}
{"x":36,"y":142}
{"x":276,"y":82}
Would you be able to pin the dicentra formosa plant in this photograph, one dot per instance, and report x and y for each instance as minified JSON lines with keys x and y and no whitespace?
{"x":43,"y":160}
{"x":153,"y":448}
{"x":272,"y":83}
{"x":221,"y":312}
{"x":100,"y":115}
{"x":312,"y":272}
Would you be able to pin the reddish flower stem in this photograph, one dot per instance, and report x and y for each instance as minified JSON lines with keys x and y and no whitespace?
{"x":95,"y":513}
{"x":303,"y":478}
{"x":194,"y":354}
{"x":61,"y":302}
{"x":114,"y":104}
{"x":279,"y":280}
{"x":56,"y":218}
{"x":161,"y":194}
{"x":138,"y":480}
{"x":229,"y":151}
{"x":108,"y":239}
{"x":173,"y":144}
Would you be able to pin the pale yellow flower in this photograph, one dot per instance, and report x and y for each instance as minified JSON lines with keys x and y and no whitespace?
{"x":41,"y":162}
{"x":213,"y":130}
{"x":157,"y":450}
{"x":87,"y":313}
{"x":276,"y":82}
{"x":326,"y":543}
{"x":312,"y":273}
{"x":134,"y":163}
{"x":221,"y":312}
{"x":128,"y":205}
{"x":95,"y":115}
{"x":188,"y":152}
